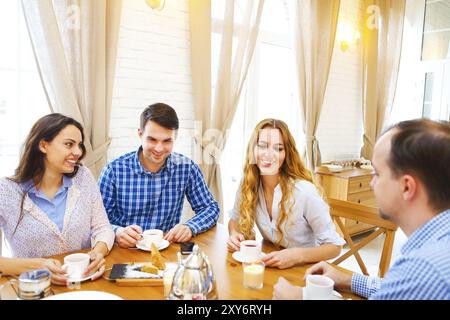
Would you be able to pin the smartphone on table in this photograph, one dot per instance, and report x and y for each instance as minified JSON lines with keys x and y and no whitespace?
{"x":186,"y":247}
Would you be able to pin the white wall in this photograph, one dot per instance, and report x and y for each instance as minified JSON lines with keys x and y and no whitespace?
{"x":340,"y":128}
{"x":153,"y":65}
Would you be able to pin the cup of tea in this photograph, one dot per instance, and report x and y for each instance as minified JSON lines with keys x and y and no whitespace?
{"x":319,"y":287}
{"x":253,"y":274}
{"x":151,"y":236}
{"x":250,"y":251}
{"x":76,"y":264}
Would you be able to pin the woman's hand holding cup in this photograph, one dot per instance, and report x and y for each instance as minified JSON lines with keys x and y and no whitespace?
{"x":58,"y":273}
{"x":97,"y":265}
{"x":234,"y":241}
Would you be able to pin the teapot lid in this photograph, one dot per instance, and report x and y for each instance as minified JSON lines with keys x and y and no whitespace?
{"x":195,"y":260}
{"x":34,"y":276}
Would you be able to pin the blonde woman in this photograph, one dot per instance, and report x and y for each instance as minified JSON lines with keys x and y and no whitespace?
{"x":278,"y":193}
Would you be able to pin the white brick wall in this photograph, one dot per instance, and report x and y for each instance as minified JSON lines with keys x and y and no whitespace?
{"x":153,"y":65}
{"x":340,"y":129}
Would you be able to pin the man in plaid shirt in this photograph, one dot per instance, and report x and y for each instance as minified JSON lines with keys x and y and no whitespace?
{"x":412,"y":186}
{"x":145,"y":189}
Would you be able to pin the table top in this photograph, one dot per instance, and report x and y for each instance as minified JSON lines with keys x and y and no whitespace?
{"x":228,"y":271}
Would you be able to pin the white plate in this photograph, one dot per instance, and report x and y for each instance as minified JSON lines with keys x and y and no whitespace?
{"x":84,"y":295}
{"x":81,"y":279}
{"x":237,"y":256}
{"x":336,"y":295}
{"x":164,"y":244}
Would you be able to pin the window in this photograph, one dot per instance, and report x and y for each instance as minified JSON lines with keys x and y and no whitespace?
{"x":269,"y":90}
{"x":436,"y":60}
{"x":428,"y":95}
{"x":436,"y":33}
{"x":22,"y":98}
{"x":423,"y":87}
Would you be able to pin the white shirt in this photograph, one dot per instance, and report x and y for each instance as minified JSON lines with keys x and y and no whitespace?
{"x":308,"y":225}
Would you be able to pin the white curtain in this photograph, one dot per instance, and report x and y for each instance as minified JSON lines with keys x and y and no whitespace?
{"x":382,"y":38}
{"x":200,"y":34}
{"x":315,"y":24}
{"x":75,"y":45}
{"x":238,"y":43}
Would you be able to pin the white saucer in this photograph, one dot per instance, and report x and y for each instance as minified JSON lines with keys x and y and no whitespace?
{"x":164,"y":244}
{"x":84,"y":295}
{"x":336,"y":296}
{"x":88,"y":277}
{"x":237,"y":256}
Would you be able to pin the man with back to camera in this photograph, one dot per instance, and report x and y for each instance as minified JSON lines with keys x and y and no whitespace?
{"x":145,"y":189}
{"x":411,"y":183}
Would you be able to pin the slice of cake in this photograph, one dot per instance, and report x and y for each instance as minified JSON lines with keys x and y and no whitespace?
{"x":149,"y":268}
{"x":156,"y":258}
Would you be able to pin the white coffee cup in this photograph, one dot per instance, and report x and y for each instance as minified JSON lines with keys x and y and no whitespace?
{"x":250,"y":251}
{"x":319,"y":287}
{"x":151,"y":236}
{"x":76,"y":264}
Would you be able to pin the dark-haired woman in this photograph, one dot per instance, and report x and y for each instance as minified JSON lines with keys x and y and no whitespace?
{"x":52,"y":204}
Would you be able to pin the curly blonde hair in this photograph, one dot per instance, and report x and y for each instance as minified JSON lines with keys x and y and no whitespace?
{"x":291,"y":170}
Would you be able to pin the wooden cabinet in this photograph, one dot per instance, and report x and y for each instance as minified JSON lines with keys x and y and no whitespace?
{"x":350,"y":185}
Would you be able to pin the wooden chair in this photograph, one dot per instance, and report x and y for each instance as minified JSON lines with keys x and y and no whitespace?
{"x":370,"y":215}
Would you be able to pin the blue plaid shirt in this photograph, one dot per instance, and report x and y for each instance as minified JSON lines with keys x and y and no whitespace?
{"x":132,"y":195}
{"x":421,"y":273}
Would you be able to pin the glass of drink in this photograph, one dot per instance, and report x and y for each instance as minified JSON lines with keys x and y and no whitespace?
{"x":168,"y":278}
{"x":253,"y":274}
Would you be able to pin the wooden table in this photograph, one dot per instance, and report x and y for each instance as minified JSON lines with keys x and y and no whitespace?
{"x":228,"y":272}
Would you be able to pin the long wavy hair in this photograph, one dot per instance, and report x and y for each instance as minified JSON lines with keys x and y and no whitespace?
{"x":292,"y":169}
{"x":32,"y":160}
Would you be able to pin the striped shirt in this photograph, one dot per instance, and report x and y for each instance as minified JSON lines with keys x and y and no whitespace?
{"x":132,"y":195}
{"x":421,"y":273}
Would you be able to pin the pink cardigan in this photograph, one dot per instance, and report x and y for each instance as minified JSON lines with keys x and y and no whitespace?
{"x":85,"y":220}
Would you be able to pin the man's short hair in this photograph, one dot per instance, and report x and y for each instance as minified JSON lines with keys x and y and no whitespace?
{"x":162,"y":114}
{"x":421,"y":148}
